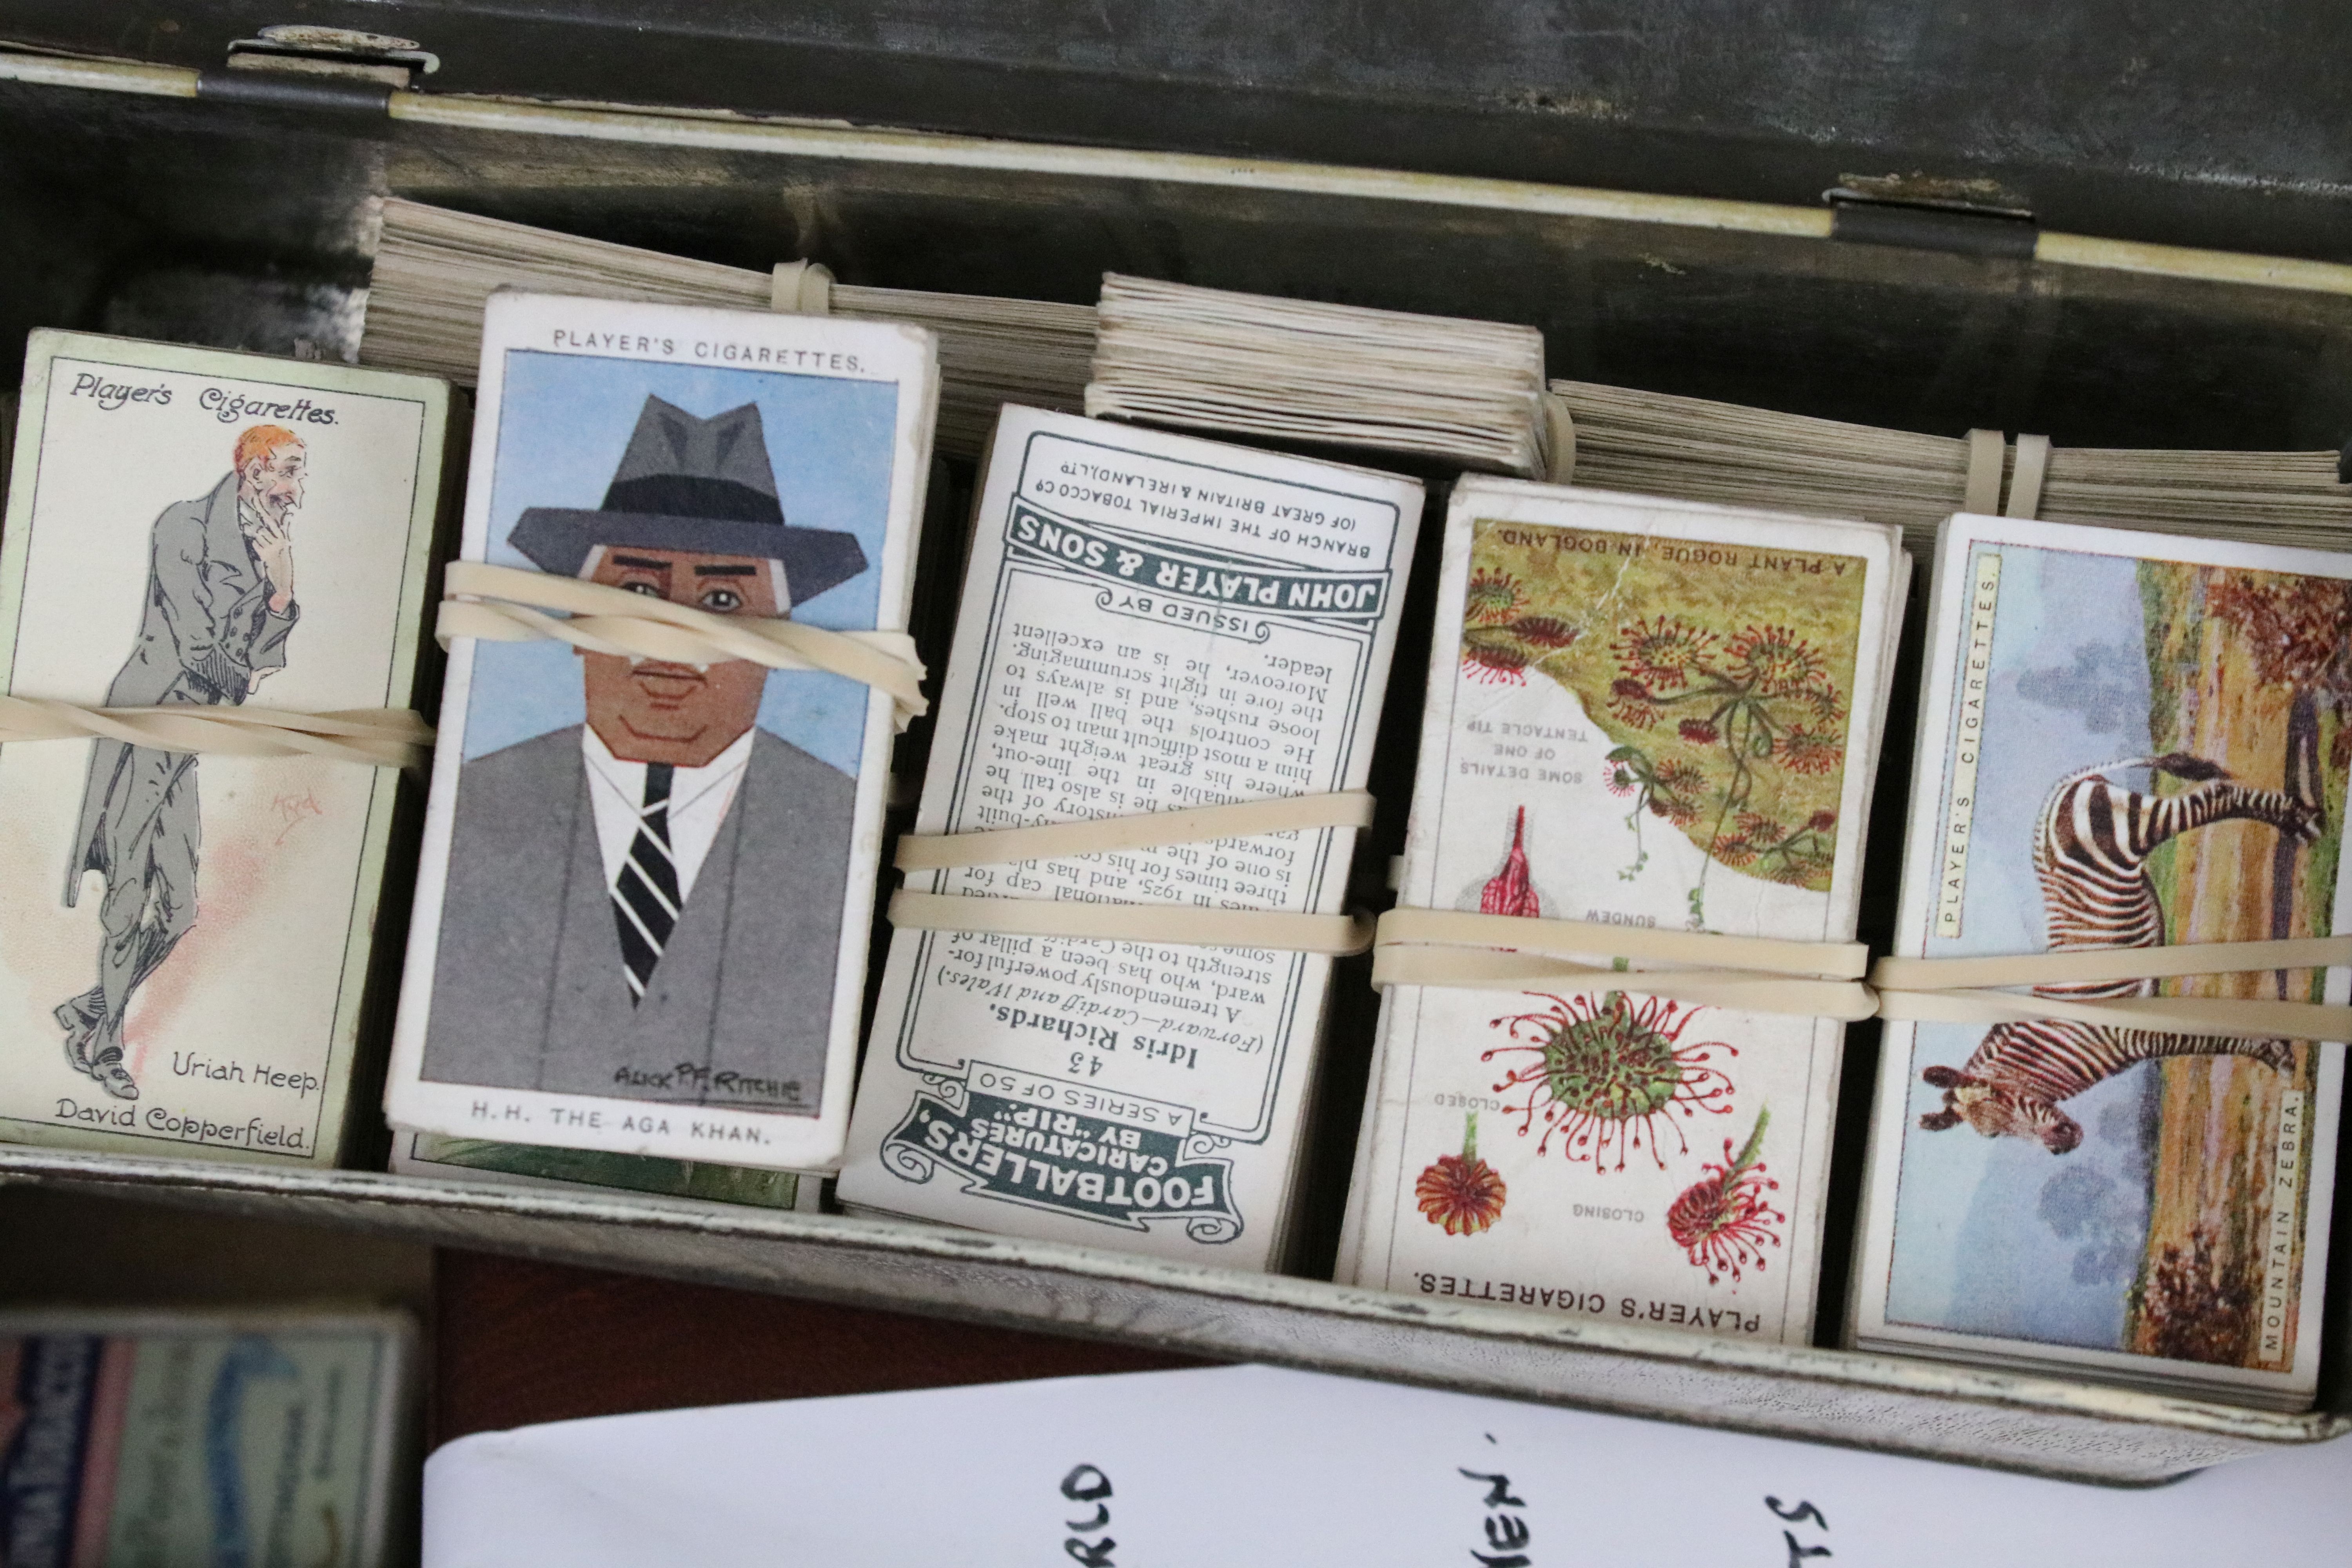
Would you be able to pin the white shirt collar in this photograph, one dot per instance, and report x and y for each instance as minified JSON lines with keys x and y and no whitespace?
{"x":698,"y":802}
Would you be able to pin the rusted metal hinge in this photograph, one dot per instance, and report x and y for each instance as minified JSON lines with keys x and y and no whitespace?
{"x":1926,"y":212}
{"x":318,"y":69}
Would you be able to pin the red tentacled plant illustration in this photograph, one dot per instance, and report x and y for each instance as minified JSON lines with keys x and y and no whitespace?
{"x":1463,"y":1193}
{"x":1722,"y":1220}
{"x":1510,"y":892}
{"x":1602,"y":1075}
{"x":1498,"y":642}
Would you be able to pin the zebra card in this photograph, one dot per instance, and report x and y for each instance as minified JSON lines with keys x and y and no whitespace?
{"x":1647,"y":713}
{"x":2126,"y":741}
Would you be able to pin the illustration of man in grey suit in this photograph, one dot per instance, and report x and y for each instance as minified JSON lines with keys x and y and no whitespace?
{"x":648,"y":906}
{"x":220,"y":604}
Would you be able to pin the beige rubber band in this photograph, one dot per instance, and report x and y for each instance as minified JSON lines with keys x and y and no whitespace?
{"x":2025,"y":479}
{"x":374,"y":737}
{"x":801,"y":288}
{"x":2093,"y":965}
{"x":604,"y":619}
{"x":1983,"y":495}
{"x":1176,"y":925}
{"x":1455,"y":949}
{"x":1558,"y":443}
{"x":1145,"y":830}
{"x":2244,"y":1017}
{"x":1567,"y":939}
{"x":1461,"y":969}
{"x":1964,"y":990}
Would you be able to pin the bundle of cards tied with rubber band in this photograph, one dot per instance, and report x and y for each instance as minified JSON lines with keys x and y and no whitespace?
{"x":1619,"y":973}
{"x":212,"y":602}
{"x":677,"y":660}
{"x":1113,"y":957}
{"x":2105,"y":1131}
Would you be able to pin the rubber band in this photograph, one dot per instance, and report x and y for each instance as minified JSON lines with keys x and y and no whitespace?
{"x":1145,"y":830}
{"x":1175,"y":925}
{"x":801,"y":288}
{"x":2025,"y":479}
{"x":373,"y":737}
{"x":2079,"y":966}
{"x":1568,"y":938}
{"x":1556,"y":439}
{"x":2241,"y":1017}
{"x":1456,"y":949}
{"x":1968,"y":990}
{"x":1982,"y":492}
{"x":503,"y":603}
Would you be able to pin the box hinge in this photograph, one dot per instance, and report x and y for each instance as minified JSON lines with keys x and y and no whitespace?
{"x":1969,"y":218}
{"x":1934,"y":228}
{"x":304,"y":94}
{"x":334,"y":54}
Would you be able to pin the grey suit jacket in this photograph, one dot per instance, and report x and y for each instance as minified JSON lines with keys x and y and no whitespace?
{"x":528,"y":991}
{"x":207,"y":627}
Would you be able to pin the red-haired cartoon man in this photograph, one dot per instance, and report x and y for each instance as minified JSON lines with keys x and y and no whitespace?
{"x":220,"y":604}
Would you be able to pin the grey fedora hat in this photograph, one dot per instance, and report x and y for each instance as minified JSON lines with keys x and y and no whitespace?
{"x":703,"y":485}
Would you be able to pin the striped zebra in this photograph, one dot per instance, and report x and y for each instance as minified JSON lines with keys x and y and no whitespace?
{"x":2014,"y":1080}
{"x":2092,"y":844}
{"x":2090,"y":852}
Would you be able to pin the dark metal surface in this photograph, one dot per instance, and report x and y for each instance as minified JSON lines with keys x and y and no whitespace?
{"x":2036,"y":1425}
{"x":295,"y":94}
{"x":1932,"y":228}
{"x":2217,"y":125}
{"x":219,"y":223}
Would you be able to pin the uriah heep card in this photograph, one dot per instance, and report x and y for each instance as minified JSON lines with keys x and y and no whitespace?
{"x":1650,"y":714}
{"x":1150,"y":622}
{"x":189,"y":935}
{"x":646,"y":887}
{"x":2125,"y":740}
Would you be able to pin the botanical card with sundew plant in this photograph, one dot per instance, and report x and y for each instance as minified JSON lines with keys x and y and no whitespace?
{"x":1645,"y":714}
{"x":1723,"y":676}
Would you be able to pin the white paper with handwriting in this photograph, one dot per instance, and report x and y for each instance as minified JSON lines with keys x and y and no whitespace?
{"x":1246,"y":1466}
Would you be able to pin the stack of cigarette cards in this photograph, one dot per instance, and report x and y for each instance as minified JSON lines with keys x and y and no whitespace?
{"x":646,"y":886}
{"x":487,"y":1163}
{"x":1150,"y":622}
{"x":2125,"y":740}
{"x":190,"y":966}
{"x":1653,"y":714}
{"x":272,"y":1436}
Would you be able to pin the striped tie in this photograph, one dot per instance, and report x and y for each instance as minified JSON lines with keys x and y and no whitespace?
{"x":645,"y":898}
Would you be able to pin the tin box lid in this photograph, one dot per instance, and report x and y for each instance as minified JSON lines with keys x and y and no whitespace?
{"x":2221,"y":127}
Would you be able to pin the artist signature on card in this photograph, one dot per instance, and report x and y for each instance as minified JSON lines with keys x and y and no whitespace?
{"x":292,"y":809}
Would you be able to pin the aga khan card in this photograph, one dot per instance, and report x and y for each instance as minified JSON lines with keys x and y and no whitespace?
{"x":642,"y":915}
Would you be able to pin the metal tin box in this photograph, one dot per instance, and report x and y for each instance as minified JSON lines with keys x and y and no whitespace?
{"x":236,"y":208}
